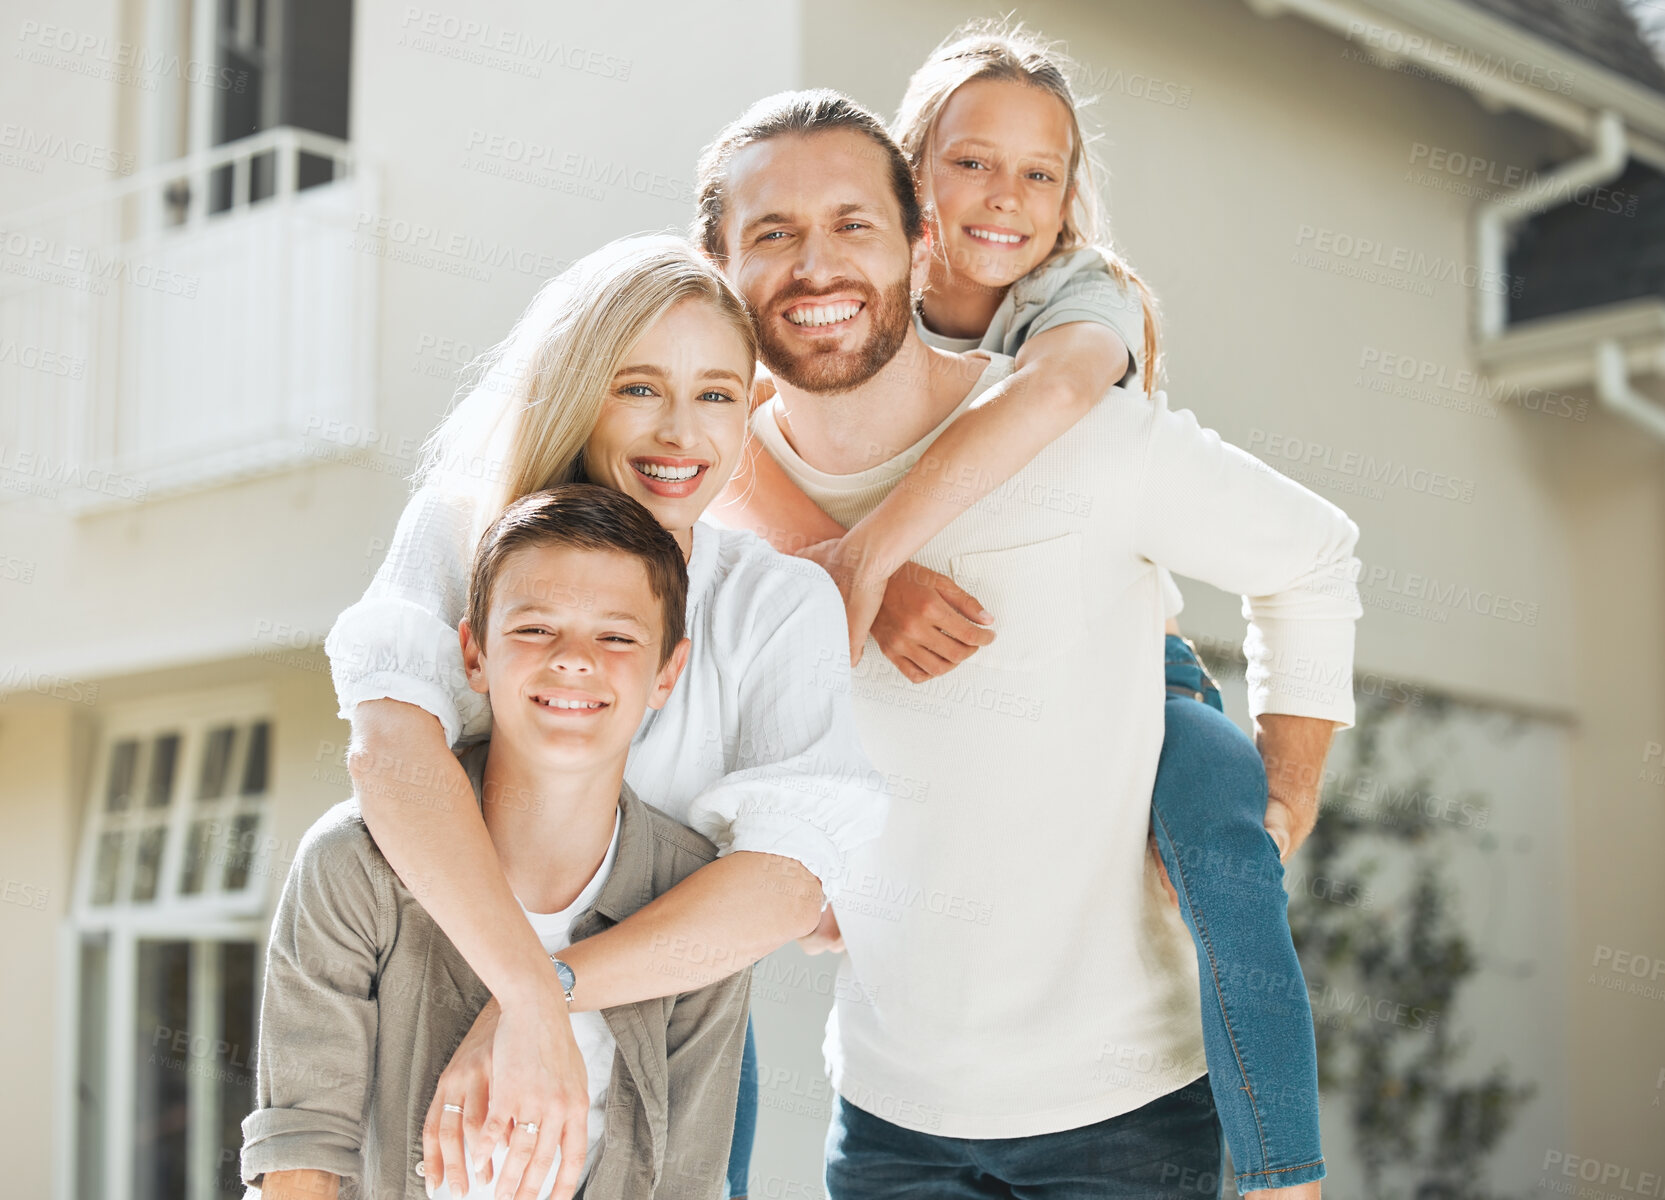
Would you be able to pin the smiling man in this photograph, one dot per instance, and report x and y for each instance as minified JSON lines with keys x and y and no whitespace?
{"x":1018,"y":1013}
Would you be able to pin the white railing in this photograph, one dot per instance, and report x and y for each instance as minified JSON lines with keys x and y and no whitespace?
{"x":185,"y":325}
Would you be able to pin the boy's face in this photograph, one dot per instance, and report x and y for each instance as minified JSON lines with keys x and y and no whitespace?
{"x":571,"y":656}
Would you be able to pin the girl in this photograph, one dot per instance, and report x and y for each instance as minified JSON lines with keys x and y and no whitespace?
{"x":990,"y":128}
{"x":630,"y":371}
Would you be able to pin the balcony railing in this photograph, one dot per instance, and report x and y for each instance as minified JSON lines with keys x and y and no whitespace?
{"x":186,"y":325}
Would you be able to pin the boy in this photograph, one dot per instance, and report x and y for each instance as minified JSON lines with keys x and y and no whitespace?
{"x":574,"y":628}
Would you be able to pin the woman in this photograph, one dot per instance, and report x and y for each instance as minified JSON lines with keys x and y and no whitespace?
{"x":632,"y":370}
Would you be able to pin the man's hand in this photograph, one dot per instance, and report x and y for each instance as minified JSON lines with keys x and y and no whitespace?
{"x":826,"y":938}
{"x":1162,"y":870}
{"x":1293,"y":749}
{"x":513,"y":1069}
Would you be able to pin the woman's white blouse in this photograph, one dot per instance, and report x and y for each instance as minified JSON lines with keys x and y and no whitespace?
{"x":756,"y":748}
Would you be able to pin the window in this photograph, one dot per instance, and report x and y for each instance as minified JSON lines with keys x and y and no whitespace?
{"x":167,"y":934}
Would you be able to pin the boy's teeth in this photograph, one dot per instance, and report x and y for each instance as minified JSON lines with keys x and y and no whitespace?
{"x":1003,"y":239}
{"x":674,"y":474}
{"x":824,"y":314}
{"x":571,"y":703}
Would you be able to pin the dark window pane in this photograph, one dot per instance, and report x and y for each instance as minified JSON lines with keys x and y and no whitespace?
{"x":164,"y":754}
{"x":240,"y":854}
{"x":147,"y":864}
{"x":198,"y":846}
{"x":161,"y":1070}
{"x":124,"y":756}
{"x":107,"y":867}
{"x":216,"y":762}
{"x":91,"y":1074}
{"x":237,"y":1017}
{"x":254,"y":766}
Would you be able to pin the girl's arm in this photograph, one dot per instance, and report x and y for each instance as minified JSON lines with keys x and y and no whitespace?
{"x":929,"y":625}
{"x":1059,"y":376}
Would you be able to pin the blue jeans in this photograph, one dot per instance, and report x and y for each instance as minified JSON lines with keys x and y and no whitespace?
{"x":745,"y":1118}
{"x":1167,"y":1150}
{"x":1208,"y":809}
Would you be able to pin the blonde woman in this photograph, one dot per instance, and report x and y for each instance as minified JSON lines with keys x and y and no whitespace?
{"x":632,"y":370}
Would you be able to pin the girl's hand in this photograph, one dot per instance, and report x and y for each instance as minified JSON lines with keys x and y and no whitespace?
{"x":512,"y":1069}
{"x":928,"y":625}
{"x":826,"y":937}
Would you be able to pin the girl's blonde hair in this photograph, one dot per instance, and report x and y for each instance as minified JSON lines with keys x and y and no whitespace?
{"x":1003,"y":50}
{"x":523,"y":426}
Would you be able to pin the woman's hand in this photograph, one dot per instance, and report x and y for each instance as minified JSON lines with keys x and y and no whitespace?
{"x":513,"y":1069}
{"x":826,"y":938}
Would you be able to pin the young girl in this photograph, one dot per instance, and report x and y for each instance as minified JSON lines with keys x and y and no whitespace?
{"x":990,"y":128}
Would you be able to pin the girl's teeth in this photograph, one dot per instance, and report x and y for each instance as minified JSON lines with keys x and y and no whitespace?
{"x":824,"y":314}
{"x":674,"y":474}
{"x":1002,"y":239}
{"x":572,"y":704}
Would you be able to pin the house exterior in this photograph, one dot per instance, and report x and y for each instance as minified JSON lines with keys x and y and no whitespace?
{"x":1409,"y":252}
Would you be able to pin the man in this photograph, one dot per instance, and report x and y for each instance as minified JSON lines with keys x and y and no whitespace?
{"x":1009,"y":941}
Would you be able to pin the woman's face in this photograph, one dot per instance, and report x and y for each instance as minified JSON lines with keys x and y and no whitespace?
{"x":671,"y":428}
{"x":998,"y":174}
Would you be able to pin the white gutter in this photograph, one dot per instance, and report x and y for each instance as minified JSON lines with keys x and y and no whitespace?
{"x":1595,"y":105}
{"x":1496,"y":218}
{"x":1614,"y":388}
{"x":1440,"y":40}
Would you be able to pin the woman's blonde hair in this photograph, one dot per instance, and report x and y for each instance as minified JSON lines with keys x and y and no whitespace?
{"x":523,"y":425}
{"x":1004,"y":50}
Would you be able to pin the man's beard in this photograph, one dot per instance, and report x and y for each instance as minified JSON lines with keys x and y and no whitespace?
{"x":890,"y":312}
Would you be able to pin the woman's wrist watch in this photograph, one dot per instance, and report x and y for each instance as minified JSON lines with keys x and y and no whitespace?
{"x":565,"y":974}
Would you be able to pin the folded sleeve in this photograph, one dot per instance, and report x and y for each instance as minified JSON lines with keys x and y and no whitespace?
{"x":399,"y":642}
{"x":1083,"y":289}
{"x":1210,"y":511}
{"x":316,"y":1059}
{"x":800,"y":785}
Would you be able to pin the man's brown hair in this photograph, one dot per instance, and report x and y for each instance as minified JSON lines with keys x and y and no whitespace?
{"x":583,"y":516}
{"x":815,"y":111}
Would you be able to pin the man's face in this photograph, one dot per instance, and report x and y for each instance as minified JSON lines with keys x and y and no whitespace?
{"x":571,"y":655}
{"x":816,"y":245}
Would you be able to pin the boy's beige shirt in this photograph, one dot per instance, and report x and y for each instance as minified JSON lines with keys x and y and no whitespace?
{"x":366,"y":999}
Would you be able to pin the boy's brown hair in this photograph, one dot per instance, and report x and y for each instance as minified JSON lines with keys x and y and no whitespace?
{"x":583,"y":516}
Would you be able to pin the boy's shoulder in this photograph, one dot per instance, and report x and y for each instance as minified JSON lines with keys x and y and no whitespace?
{"x":339,"y":840}
{"x":677,"y":850}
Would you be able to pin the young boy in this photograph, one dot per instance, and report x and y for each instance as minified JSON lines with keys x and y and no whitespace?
{"x":574,"y":628}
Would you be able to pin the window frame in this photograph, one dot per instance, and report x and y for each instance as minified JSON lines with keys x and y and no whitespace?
{"x":202,"y":920}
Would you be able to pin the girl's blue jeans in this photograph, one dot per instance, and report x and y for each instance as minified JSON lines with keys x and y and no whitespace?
{"x":1208,"y":809}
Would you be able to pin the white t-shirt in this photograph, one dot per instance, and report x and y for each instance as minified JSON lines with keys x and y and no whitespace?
{"x":1014,"y":967}
{"x":595,"y":1040}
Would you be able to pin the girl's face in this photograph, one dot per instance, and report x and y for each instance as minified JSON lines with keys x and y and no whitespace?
{"x":998,"y":172}
{"x":671,"y":428}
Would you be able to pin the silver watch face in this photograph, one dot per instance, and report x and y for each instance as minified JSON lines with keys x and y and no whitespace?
{"x":564,"y":973}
